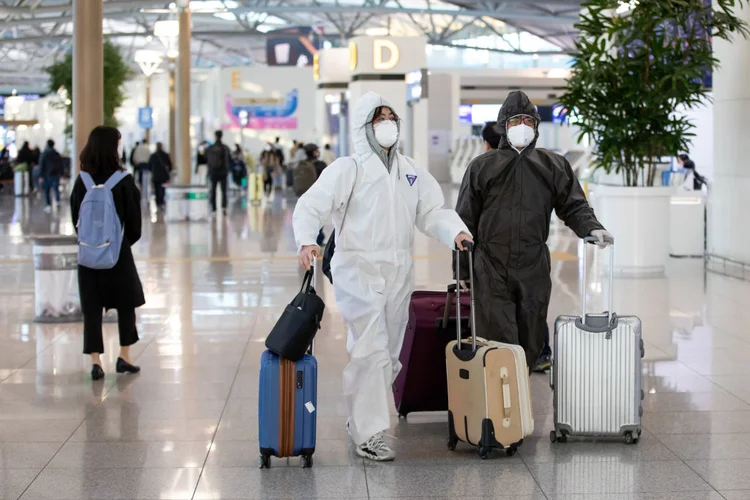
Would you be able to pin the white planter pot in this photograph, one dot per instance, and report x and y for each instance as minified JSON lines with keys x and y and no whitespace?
{"x":638,"y":217}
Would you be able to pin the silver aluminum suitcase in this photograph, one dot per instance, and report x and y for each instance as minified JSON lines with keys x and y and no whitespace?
{"x":596,"y":371}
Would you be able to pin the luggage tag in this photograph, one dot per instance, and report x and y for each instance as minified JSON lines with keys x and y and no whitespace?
{"x":310,"y":407}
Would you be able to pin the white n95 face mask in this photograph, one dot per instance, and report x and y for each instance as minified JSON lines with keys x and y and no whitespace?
{"x":386,"y":133}
{"x":520,"y":136}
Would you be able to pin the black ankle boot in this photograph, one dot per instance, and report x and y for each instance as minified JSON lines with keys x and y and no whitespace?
{"x":96,"y":372}
{"x":125,"y":367}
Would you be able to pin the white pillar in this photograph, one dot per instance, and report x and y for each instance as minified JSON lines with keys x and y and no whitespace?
{"x":728,"y":226}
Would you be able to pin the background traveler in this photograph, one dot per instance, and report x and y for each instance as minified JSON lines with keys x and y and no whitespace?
{"x":51,"y":170}
{"x":120,"y":287}
{"x":218,"y":158}
{"x":141,"y":157}
{"x":160,"y":165}
{"x":269,"y":162}
{"x":693,"y":181}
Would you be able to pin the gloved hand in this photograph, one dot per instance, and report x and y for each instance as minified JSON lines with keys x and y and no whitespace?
{"x":603,"y":237}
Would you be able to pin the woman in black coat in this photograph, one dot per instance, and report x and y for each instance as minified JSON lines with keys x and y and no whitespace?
{"x":120,"y":287}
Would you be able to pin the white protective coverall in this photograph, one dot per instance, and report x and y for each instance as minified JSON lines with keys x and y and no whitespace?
{"x":372,"y":265}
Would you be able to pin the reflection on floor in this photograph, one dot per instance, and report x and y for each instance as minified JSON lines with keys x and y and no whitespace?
{"x":186,"y":427}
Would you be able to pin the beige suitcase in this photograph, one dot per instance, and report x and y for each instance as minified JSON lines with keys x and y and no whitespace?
{"x":489,"y":399}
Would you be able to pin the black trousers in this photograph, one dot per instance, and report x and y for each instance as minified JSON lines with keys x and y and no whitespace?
{"x":93,"y":340}
{"x":214,"y":182}
{"x":159,"y":193}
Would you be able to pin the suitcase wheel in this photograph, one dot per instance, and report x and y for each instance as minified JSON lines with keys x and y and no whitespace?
{"x":452,"y":442}
{"x":510,"y":451}
{"x":556,"y":437}
{"x":307,"y":461}
{"x":484,"y":452}
{"x":630,"y":438}
{"x":264,"y":462}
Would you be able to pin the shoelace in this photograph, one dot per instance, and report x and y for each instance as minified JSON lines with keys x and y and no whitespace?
{"x":377,"y":443}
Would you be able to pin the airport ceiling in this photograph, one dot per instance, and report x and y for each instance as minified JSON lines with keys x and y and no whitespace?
{"x":35,"y":33}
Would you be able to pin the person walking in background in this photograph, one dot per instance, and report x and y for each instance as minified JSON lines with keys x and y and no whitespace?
{"x":132,"y":158}
{"x":693,"y":181}
{"x":327,"y":157}
{"x":141,"y":157}
{"x":313,"y":162}
{"x":119,"y":287}
{"x":201,"y":164}
{"x":490,"y":136}
{"x":279,"y":150}
{"x":35,"y":172}
{"x":51,"y":170}
{"x":25,"y":161}
{"x":218,"y":157}
{"x":269,"y":162}
{"x":239,"y":169}
{"x":160,"y":165}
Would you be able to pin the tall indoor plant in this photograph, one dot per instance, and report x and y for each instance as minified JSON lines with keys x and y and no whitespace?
{"x":635,"y":65}
{"x":116,"y":72}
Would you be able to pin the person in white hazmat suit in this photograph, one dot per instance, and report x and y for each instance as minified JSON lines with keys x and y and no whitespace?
{"x":372,"y":266}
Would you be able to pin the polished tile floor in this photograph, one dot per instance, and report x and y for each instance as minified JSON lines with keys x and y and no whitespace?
{"x":186,"y":427}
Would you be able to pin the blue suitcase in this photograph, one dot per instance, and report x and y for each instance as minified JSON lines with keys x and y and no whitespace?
{"x":287,"y":408}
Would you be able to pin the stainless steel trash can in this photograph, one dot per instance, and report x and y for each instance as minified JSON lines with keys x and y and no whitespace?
{"x":56,"y":279}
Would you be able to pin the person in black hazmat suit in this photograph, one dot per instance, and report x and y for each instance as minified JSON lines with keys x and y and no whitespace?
{"x":506,"y":200}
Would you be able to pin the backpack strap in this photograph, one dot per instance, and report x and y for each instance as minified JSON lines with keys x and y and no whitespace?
{"x":349,"y":200}
{"x":115,"y":179}
{"x":88,"y":181}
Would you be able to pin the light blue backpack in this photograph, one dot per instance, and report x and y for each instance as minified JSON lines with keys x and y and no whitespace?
{"x":100,"y":232}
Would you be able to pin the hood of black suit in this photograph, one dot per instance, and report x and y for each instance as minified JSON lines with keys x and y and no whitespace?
{"x":517,"y":103}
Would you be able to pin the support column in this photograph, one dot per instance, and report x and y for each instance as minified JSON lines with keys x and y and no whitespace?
{"x":148,"y":105}
{"x":728,"y":227}
{"x":88,"y":74}
{"x":172,"y":121}
{"x":182,"y":94}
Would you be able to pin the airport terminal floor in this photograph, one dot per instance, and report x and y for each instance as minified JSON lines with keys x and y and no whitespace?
{"x":186,"y":427}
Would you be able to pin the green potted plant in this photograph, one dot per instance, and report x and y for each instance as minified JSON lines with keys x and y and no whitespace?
{"x":635,"y":65}
{"x":116,"y":73}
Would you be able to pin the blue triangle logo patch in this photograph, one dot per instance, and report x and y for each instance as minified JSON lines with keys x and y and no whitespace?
{"x":411,"y":178}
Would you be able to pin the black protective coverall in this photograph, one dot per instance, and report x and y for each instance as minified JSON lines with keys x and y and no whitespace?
{"x":506,"y":200}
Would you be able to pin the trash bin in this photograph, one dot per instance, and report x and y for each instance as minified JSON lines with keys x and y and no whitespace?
{"x":187,"y":203}
{"x":21,"y":183}
{"x":56,"y":279}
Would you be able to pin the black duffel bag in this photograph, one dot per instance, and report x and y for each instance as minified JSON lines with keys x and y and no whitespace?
{"x":298,"y":324}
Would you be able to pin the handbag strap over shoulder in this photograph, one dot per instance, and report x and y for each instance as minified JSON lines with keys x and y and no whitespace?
{"x":349,"y":200}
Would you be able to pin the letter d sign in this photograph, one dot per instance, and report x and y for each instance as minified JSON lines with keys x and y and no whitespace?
{"x":379,"y":60}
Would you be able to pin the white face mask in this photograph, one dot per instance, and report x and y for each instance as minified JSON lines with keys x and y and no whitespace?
{"x":386,"y":133}
{"x":520,"y":136}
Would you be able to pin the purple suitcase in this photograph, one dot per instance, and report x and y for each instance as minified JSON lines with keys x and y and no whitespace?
{"x":422,"y":384}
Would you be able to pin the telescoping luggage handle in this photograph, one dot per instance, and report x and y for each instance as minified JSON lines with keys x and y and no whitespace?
{"x":470,"y":250}
{"x":610,"y":278}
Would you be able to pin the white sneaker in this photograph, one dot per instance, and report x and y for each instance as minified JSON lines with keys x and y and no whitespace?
{"x":47,"y":209}
{"x":376,"y":449}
